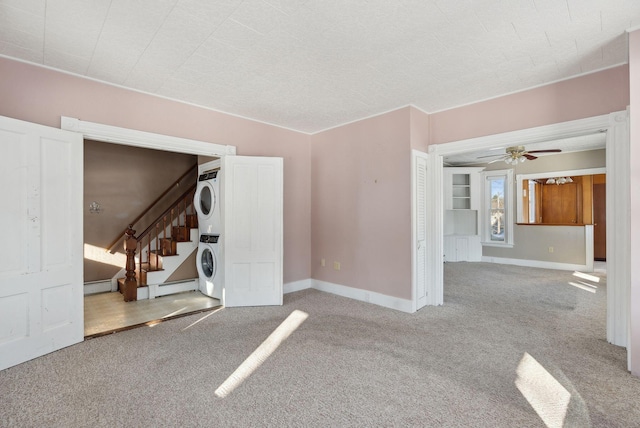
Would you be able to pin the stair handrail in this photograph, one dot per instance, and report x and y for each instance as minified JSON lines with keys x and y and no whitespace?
{"x":143,"y":212}
{"x":164,"y":214}
{"x":133,"y":244}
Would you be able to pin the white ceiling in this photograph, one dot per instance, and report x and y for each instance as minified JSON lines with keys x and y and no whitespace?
{"x":313,"y":65}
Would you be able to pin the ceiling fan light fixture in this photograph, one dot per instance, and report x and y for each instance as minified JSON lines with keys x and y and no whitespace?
{"x":515,"y":155}
{"x":559,"y":180}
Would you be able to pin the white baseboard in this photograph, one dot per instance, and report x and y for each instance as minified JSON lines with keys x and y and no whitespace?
{"x":303,"y":284}
{"x":396,"y":303}
{"x":96,"y":287}
{"x":536,"y":264}
{"x":383,"y":300}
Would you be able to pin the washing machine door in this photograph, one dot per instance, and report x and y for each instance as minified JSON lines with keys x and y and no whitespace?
{"x":208,"y":263}
{"x":205,"y":200}
{"x":207,"y":266}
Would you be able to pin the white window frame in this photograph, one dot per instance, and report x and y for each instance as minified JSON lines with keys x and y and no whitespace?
{"x":509,"y":208}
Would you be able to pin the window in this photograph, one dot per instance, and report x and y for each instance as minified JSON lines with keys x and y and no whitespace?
{"x":496,"y":207}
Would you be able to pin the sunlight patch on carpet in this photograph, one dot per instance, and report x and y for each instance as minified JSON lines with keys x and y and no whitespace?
{"x":260,"y":355}
{"x":546,"y":395}
{"x":583,"y":286}
{"x":203,"y":318}
{"x":586,"y":276}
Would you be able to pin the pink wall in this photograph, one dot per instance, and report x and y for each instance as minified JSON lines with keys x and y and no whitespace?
{"x":419,"y":129}
{"x":634,"y":158}
{"x":40,"y":95}
{"x":347,"y":190}
{"x":361,"y":206}
{"x":586,"y":96}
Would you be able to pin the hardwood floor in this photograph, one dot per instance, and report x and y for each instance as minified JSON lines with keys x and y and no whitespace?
{"x":106,"y":313}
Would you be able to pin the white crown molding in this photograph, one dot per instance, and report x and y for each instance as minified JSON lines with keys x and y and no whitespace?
{"x":148,"y":140}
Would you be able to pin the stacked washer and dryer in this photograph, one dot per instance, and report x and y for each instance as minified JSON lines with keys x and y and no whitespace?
{"x":207,"y":204}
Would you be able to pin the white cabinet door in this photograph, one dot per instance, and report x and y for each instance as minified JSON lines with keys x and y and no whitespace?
{"x":449,"y":249}
{"x":252,"y":198}
{"x":462,"y":249}
{"x":41,"y":296}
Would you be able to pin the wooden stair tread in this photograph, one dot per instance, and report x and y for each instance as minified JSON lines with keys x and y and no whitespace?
{"x":169,"y":238}
{"x":163,"y":255}
{"x":147,"y":268}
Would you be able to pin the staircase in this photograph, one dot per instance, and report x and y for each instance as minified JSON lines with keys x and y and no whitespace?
{"x":155,"y":254}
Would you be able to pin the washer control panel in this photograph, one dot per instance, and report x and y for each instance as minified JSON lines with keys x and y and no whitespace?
{"x":209,"y":239}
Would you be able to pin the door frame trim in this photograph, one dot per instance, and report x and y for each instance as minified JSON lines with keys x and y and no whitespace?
{"x":131,"y":137}
{"x":616,"y":125}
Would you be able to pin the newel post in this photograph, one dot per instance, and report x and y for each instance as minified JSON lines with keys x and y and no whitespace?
{"x":130,"y":291}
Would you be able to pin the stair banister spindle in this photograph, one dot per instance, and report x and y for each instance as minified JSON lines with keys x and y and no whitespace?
{"x":157,"y":242}
{"x":130,"y":291}
{"x":184,"y":211}
{"x":139,"y":272}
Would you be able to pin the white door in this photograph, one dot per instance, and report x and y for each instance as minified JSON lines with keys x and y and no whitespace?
{"x":420,"y":229}
{"x":251,"y":242}
{"x":41,"y":306}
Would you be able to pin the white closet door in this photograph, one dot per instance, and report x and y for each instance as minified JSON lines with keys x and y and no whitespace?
{"x":252,"y":198}
{"x":41,"y":296}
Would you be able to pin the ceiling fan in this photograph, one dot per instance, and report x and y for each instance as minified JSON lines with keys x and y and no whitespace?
{"x":518,"y":154}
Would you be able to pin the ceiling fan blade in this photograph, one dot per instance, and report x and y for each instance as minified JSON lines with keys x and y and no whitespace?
{"x":545,"y":151}
{"x":530,"y":157}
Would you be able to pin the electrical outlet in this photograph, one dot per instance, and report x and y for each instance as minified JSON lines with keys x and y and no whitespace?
{"x":322,"y":263}
{"x":551,"y":249}
{"x":336,"y":265}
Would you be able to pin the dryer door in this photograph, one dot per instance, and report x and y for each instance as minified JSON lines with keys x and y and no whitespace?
{"x":205,"y":200}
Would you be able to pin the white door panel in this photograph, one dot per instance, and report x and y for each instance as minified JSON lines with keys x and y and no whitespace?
{"x":13,"y":161}
{"x":41,"y":306}
{"x":252,"y":198}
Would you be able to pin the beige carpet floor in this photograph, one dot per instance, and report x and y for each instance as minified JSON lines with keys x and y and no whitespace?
{"x":511,"y":347}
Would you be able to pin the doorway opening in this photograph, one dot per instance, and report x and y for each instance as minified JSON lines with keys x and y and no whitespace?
{"x":616,"y":126}
{"x":132,"y":185}
{"x":143,"y":140}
